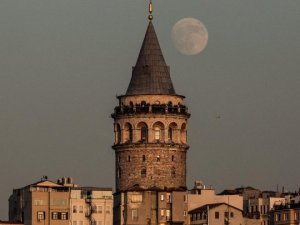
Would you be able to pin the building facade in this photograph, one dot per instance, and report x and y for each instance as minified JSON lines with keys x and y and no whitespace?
{"x":203,"y":195}
{"x":220,"y":214}
{"x":288,"y":214}
{"x":61,"y":203}
{"x":150,"y":125}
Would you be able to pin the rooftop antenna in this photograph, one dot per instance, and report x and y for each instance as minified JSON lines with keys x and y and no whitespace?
{"x":150,"y":17}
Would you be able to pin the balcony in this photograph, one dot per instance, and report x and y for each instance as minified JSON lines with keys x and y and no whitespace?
{"x":154,"y":109}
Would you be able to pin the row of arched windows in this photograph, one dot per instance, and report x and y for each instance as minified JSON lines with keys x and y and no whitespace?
{"x":158,"y":132}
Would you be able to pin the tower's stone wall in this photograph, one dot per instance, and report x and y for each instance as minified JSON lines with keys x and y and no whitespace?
{"x":157,"y":157}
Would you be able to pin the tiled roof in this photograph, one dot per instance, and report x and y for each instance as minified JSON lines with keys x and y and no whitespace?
{"x":150,"y":75}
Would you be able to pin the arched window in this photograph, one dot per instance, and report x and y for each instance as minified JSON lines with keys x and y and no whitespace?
{"x":118,"y":134}
{"x":128,"y":135}
{"x":144,"y":158}
{"x":143,"y":131}
{"x":183,"y":133}
{"x":170,"y":134}
{"x":158,"y":128}
{"x":173,"y":132}
{"x":157,"y":133}
{"x":143,"y":172}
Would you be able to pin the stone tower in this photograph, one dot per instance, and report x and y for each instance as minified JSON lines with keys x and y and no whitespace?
{"x":150,"y":126}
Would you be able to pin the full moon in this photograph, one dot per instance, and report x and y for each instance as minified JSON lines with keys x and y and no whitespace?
{"x":189,"y":36}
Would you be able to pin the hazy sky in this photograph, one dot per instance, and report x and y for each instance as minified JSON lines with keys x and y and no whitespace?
{"x":62,"y":63}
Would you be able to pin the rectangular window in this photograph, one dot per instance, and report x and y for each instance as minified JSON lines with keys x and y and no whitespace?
{"x":184,"y":213}
{"x":39,"y":202}
{"x":184,"y":198}
{"x":226,"y":214}
{"x":278,"y":217}
{"x":99,"y":209}
{"x":134,"y":214}
{"x":41,"y":215}
{"x":55,"y":215}
{"x":169,"y":199}
{"x":162,"y":212}
{"x":162,"y":197}
{"x":217,"y":215}
{"x":231,"y":214}
{"x":168,"y":214}
{"x":64,"y":216}
{"x":137,"y":198}
{"x":107,"y":209}
{"x":80,"y":209}
{"x":74,"y":209}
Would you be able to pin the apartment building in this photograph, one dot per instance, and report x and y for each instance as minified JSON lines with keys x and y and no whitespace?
{"x":61,"y":203}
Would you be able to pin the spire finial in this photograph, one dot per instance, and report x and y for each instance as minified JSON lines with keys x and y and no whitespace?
{"x":150,"y":17}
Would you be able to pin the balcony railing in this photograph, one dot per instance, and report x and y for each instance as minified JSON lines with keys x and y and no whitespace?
{"x":157,"y":109}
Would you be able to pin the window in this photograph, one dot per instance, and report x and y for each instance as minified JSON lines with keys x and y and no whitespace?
{"x":157,"y":158}
{"x":107,"y":209}
{"x":143,"y":172}
{"x":173,"y":158}
{"x":118,"y":134}
{"x":170,"y":133}
{"x":184,"y":213}
{"x":128,"y":133}
{"x":80,"y":209}
{"x":231,"y":214}
{"x":41,"y":215}
{"x":226,"y":214}
{"x":99,"y":209}
{"x":184,"y":198}
{"x":144,"y":158}
{"x":128,"y":158}
{"x":135,"y":198}
{"x":144,"y":133}
{"x":217,"y":215}
{"x":134,"y":214}
{"x":162,"y":212}
{"x":74,"y":209}
{"x":277,"y":217}
{"x":168,"y":214}
{"x":156,"y":133}
{"x":55,"y":215}
{"x":169,"y":199}
{"x":162,"y":197}
{"x":64,"y":216}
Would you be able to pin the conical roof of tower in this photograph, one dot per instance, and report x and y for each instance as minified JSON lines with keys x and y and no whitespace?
{"x":151,"y":75}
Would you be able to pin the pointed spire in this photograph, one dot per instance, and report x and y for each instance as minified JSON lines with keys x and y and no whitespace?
{"x":150,"y":75}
